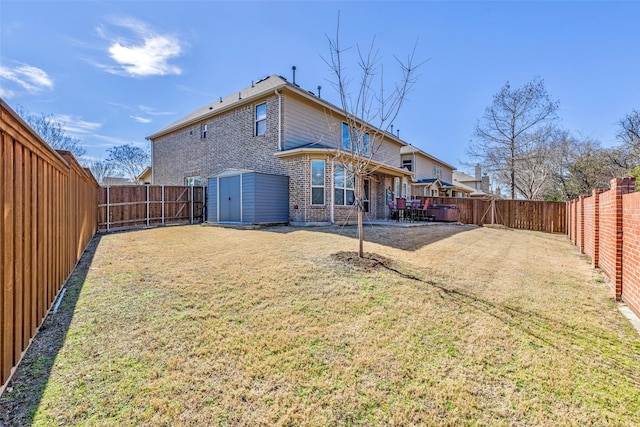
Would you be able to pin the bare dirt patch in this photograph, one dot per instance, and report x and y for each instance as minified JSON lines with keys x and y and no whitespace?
{"x":446,"y":325}
{"x":369,"y":262}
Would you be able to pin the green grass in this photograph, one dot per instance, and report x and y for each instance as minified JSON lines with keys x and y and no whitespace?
{"x":209,"y":326}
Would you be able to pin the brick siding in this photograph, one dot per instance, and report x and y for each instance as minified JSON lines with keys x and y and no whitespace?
{"x":230,"y":144}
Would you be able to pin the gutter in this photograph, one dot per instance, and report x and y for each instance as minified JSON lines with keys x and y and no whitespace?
{"x":279,"y":120}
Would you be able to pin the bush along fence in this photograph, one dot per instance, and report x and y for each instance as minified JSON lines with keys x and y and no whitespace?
{"x":49,"y":217}
{"x":606,"y":227}
{"x":549,"y":217}
{"x":130,"y":206}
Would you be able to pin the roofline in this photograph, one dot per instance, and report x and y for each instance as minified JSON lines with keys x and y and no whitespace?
{"x":424,"y":153}
{"x":333,"y":152}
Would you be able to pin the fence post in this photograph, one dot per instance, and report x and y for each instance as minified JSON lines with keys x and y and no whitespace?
{"x":191,"y":213}
{"x":162,"y":204}
{"x":619,"y":186}
{"x":107,"y":208}
{"x":595,"y":261}
{"x":147,"y":205}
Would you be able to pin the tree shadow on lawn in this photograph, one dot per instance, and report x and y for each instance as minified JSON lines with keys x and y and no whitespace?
{"x":24,"y":391}
{"x":404,"y":238}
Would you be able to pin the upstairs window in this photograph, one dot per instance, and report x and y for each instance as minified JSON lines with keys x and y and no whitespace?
{"x":407,"y":164}
{"x":365,"y":142}
{"x":261,"y":119}
{"x":437,"y":171}
{"x":203,"y":131}
{"x":346,"y":137}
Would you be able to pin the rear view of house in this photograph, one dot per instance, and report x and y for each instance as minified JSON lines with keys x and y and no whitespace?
{"x":273,"y":128}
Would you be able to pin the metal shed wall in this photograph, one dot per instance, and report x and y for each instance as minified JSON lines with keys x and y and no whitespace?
{"x":265,"y":198}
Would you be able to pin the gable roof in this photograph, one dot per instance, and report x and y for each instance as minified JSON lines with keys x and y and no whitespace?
{"x":260,"y":88}
{"x":410,"y":149}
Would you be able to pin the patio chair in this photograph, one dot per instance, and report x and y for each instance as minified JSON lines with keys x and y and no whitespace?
{"x":393,"y":212}
{"x":415,"y":209}
{"x":401,"y":205}
{"x":423,"y":214}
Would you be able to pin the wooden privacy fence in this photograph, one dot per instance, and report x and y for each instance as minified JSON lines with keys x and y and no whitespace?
{"x":535,"y":215}
{"x":131,"y":206}
{"x":49,"y":216}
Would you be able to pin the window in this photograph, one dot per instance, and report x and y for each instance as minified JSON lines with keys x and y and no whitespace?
{"x":317,"y":182}
{"x":396,"y":186}
{"x":437,"y":171}
{"x":343,"y":186}
{"x":203,"y":131}
{"x":346,"y":137}
{"x":407,"y":164}
{"x":261,"y":119}
{"x":192,"y":180}
{"x":346,"y":140}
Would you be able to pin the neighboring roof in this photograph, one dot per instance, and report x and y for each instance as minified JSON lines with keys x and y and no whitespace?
{"x":409,"y":149}
{"x":464,"y":177}
{"x":145,"y":173}
{"x":432,"y":181}
{"x":115,"y":180}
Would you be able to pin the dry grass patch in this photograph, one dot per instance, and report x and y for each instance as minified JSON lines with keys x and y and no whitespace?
{"x":438,"y":326}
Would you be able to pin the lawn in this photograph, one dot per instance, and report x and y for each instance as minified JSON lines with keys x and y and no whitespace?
{"x":441,"y":325}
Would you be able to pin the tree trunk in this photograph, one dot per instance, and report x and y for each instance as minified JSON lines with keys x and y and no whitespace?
{"x":360,"y":207}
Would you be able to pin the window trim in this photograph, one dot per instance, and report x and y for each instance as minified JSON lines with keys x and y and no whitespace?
{"x":344,"y":187}
{"x":193,"y":178}
{"x":260,"y":119}
{"x":346,"y":139}
{"x":318,"y":186}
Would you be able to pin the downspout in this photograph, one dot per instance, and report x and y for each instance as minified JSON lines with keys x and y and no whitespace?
{"x":153,"y":170}
{"x":332,"y":207}
{"x":279,"y":120}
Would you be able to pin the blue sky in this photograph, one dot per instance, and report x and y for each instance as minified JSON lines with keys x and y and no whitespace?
{"x":116,"y":72}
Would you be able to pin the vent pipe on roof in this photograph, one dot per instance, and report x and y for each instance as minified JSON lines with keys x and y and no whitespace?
{"x":294,"y":74}
{"x":251,"y":83}
{"x":319,"y":88}
{"x":239,"y":96}
{"x":391,"y":129}
{"x":398,"y":133}
{"x":220,"y":99}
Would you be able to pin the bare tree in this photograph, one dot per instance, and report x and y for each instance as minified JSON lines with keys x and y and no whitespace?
{"x":129,"y":159}
{"x":511,"y":127}
{"x":101,"y":169}
{"x":368,"y":110}
{"x":627,"y":156}
{"x":53,"y":133}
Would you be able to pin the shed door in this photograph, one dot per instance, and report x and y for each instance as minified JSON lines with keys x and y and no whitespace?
{"x":229,"y":199}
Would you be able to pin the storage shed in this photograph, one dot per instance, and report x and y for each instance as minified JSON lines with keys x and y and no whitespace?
{"x":248,"y":197}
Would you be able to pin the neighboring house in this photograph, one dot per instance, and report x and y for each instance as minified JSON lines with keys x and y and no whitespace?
{"x":478,"y":184}
{"x":432,"y":177}
{"x":145,"y":177}
{"x":274,"y":128}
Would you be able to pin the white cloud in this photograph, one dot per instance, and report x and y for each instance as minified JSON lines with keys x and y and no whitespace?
{"x":140,"y":119}
{"x":26,"y":77}
{"x":77,"y":126}
{"x":144,"y":53}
